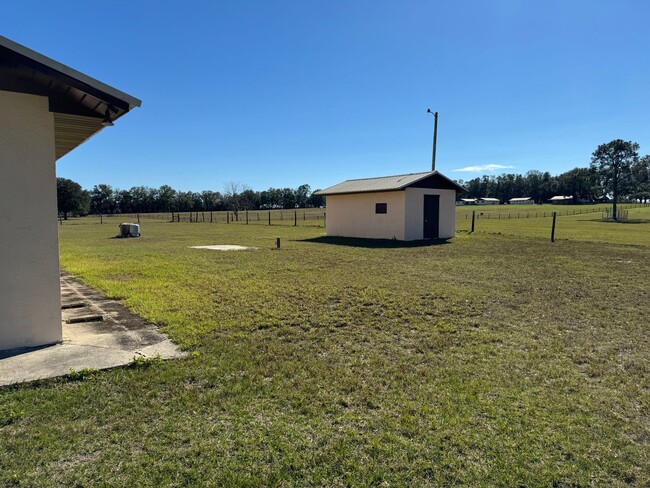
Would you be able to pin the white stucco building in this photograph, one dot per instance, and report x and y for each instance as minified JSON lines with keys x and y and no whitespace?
{"x":403,"y":207}
{"x":46,"y":110}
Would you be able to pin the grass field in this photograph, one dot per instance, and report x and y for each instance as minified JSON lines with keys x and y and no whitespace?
{"x":495,"y":359}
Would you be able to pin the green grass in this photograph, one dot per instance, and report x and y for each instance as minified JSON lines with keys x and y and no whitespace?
{"x":496,"y":359}
{"x":579,"y":227}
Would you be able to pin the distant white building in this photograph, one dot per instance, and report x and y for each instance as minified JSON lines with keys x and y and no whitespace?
{"x":488,"y":201}
{"x":467,"y":201}
{"x":521,"y":201}
{"x":403,"y":207}
{"x":561,"y":199}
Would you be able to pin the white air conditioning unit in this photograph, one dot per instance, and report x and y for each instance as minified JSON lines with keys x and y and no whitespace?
{"x":129,"y":230}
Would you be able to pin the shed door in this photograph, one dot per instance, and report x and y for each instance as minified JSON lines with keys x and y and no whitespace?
{"x":431,"y":216}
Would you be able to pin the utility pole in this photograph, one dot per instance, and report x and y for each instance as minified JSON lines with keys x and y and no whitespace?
{"x":435,"y":138}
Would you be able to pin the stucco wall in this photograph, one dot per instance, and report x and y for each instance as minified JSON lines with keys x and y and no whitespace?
{"x":414,"y":227}
{"x":30,"y":306}
{"x":354,"y":215}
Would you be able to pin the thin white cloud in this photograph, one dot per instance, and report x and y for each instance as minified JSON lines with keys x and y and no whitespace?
{"x":483,"y":167}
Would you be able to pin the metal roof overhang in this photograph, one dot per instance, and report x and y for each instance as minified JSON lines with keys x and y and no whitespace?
{"x":389,"y":183}
{"x":78,"y":102}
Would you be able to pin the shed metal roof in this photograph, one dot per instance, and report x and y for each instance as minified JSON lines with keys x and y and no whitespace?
{"x":79,"y":102}
{"x":384,"y":183}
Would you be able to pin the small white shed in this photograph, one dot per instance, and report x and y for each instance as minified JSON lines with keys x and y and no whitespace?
{"x":46,"y":110}
{"x":403,"y":207}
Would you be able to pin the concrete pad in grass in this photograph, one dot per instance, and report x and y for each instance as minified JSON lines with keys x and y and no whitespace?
{"x":226,"y":247}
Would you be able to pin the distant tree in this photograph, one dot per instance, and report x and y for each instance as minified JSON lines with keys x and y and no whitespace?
{"x":534,"y":186}
{"x":473,"y":187}
{"x":249,"y":199}
{"x":211,"y":200}
{"x":184,"y":201}
{"x":288,"y":198}
{"x":302,"y":195}
{"x":164,"y":198}
{"x":613,"y":162}
{"x":548,"y":186}
{"x":640,"y":171}
{"x":582,"y":183}
{"x":102,"y":199}
{"x":316,"y":201}
{"x":271,"y":198}
{"x":232,"y":196}
{"x":144,"y":199}
{"x":124,"y":201}
{"x":71,"y":198}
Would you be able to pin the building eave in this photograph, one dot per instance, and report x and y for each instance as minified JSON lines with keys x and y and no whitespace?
{"x":79,"y":102}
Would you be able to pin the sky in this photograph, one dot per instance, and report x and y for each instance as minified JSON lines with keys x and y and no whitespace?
{"x":269,"y":93}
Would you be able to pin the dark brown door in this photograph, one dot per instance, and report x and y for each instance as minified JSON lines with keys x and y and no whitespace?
{"x":431,"y":216}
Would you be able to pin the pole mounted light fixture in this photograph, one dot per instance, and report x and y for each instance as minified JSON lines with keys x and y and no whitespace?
{"x":435,"y":138}
{"x":107,"y":122}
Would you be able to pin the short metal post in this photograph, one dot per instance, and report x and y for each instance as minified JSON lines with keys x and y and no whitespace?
{"x":553,"y":228}
{"x":473,"y":219}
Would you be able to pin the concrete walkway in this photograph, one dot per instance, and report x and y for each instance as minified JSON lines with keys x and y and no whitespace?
{"x":98,"y":333}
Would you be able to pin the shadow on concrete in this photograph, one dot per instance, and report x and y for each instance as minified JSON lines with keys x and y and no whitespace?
{"x":9,"y":353}
{"x":374,"y":243}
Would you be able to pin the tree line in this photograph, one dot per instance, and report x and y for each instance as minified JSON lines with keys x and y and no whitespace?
{"x":104,"y":199}
{"x":616,"y":171}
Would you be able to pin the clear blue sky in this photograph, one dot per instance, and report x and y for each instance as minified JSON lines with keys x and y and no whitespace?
{"x":279,"y":93}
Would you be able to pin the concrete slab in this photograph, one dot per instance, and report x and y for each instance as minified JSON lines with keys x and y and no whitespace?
{"x":114,"y":338}
{"x":226,"y":247}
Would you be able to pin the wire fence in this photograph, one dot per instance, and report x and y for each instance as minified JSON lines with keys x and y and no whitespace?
{"x":566,"y":225}
{"x":314,"y":217}
{"x":530,"y":214}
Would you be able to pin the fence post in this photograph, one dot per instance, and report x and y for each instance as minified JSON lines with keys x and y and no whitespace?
{"x":277,"y":243}
{"x":246,"y":216}
{"x":138,"y":217}
{"x":553,"y":228}
{"x":210,"y":216}
{"x":295,"y":218}
{"x":473,"y":219}
{"x":101,"y":219}
{"x":269,"y":217}
{"x":227,"y":217}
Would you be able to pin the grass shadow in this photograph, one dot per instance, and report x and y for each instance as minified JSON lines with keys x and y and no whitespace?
{"x":610,"y":221}
{"x":374,"y":243}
